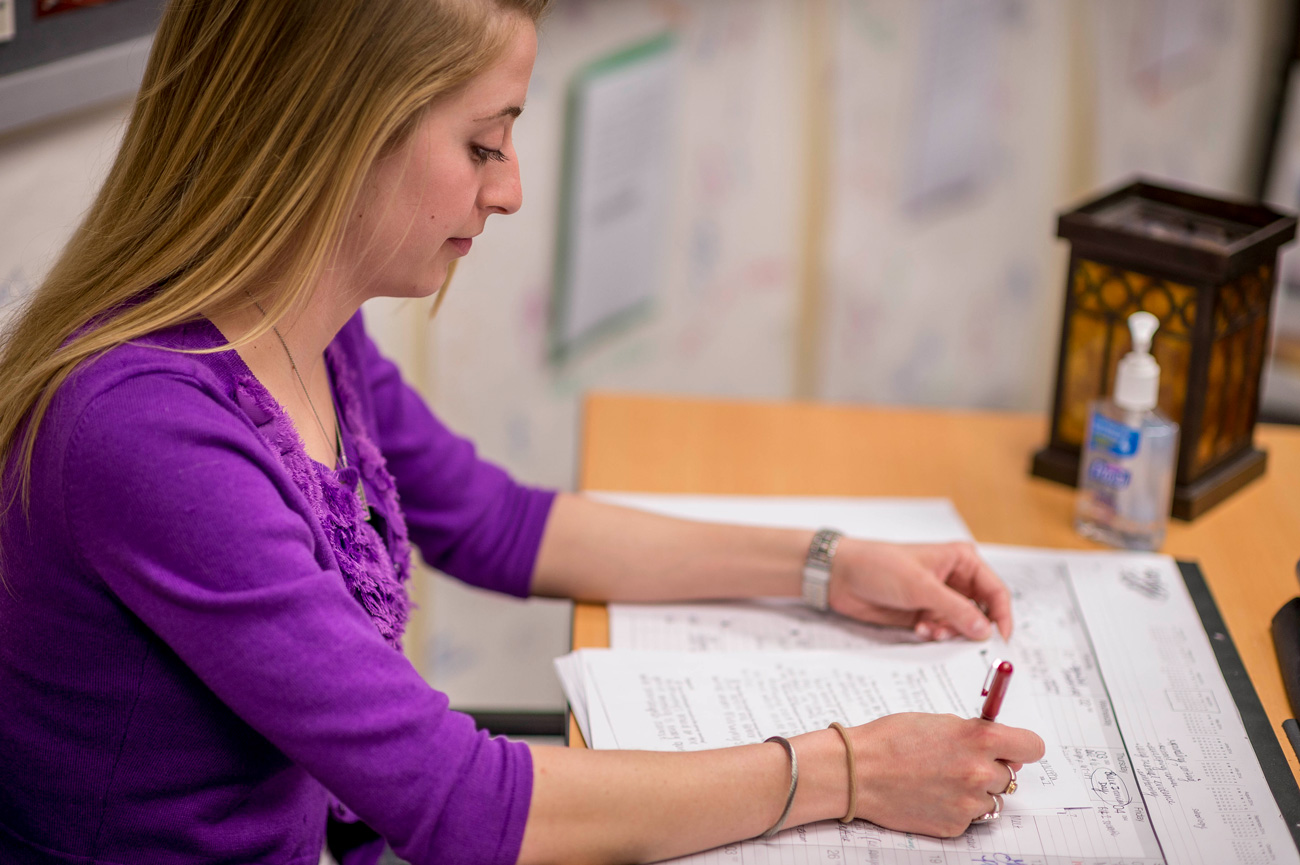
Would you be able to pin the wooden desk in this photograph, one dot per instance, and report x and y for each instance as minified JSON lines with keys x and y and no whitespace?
{"x":1247,"y":546}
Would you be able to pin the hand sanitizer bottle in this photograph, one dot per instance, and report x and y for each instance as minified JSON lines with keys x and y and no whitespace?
{"x":1127,"y":463}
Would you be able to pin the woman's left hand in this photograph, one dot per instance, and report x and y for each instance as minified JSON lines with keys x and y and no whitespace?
{"x":937,"y":590}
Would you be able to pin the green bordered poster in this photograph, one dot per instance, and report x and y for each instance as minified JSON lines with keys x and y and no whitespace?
{"x":616,"y":195}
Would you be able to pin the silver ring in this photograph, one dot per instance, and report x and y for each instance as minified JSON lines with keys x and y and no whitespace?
{"x":1011,"y":785}
{"x":990,"y":816}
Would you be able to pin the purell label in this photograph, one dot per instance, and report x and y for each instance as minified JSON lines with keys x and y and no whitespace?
{"x":1109,"y":475}
{"x":1114,"y":437}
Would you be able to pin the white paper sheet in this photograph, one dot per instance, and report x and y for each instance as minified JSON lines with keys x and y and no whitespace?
{"x":731,"y":626}
{"x":1058,"y":668}
{"x":571,"y":674}
{"x":902,"y":520}
{"x":1197,"y":774}
{"x":1064,"y":603}
{"x":692,"y":701}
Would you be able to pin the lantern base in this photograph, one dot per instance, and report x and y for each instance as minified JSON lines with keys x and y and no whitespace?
{"x":1057,"y":464}
{"x":1190,"y":500}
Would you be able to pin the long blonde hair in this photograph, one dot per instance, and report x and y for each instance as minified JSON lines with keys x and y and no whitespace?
{"x":254,"y":128}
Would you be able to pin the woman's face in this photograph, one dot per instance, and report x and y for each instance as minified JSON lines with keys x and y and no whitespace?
{"x":423,"y":203}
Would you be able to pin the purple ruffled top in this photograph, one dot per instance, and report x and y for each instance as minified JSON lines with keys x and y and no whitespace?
{"x":375,"y":576}
{"x":201,"y":624}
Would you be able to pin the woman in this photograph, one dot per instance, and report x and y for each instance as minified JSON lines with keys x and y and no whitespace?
{"x":215,"y":481}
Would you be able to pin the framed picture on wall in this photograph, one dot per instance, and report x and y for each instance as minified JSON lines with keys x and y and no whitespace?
{"x":53,"y":7}
{"x":66,"y":55}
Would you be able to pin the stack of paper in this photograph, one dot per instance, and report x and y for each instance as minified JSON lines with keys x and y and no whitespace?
{"x":692,"y":701}
{"x":1148,"y":762}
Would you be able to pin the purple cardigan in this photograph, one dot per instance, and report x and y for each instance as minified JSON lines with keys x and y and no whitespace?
{"x":198,"y":640}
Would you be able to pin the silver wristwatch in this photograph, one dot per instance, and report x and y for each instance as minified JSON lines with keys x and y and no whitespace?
{"x":817,"y":569}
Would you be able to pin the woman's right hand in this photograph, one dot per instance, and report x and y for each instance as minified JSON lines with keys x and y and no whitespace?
{"x":934,"y":774}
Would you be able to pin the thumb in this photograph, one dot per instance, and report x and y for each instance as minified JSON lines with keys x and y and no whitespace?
{"x":958,"y":611}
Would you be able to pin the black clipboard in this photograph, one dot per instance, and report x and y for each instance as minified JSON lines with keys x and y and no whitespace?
{"x":1281,"y":781}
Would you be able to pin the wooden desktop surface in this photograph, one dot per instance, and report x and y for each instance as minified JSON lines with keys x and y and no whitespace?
{"x":1247,"y":546}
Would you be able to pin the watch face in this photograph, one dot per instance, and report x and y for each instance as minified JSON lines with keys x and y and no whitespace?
{"x":815,"y":580}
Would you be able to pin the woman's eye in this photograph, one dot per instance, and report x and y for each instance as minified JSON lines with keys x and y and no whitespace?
{"x":483,"y":154}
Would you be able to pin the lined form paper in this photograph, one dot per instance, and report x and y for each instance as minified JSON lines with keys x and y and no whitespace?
{"x":1145,"y":722}
{"x":692,"y":701}
{"x":1196,"y":769}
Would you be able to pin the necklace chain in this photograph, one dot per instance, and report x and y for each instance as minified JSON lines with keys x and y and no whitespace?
{"x":339,"y":451}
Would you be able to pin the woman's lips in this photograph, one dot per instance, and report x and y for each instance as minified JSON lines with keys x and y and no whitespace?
{"x":461,"y":244}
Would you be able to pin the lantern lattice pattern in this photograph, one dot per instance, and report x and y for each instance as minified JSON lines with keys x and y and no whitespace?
{"x":1206,"y":269}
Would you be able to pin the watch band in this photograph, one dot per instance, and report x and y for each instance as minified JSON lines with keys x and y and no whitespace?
{"x":817,"y":568}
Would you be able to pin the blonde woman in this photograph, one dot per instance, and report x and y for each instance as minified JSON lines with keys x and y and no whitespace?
{"x":215,"y":480}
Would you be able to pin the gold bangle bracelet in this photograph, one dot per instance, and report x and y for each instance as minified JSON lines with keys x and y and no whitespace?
{"x":853,"y":772}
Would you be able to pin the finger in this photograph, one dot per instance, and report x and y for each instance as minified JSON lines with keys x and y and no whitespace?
{"x":1018,"y":746}
{"x":956,"y":611}
{"x":993,"y":813}
{"x":932,"y":631}
{"x":1005,"y":788}
{"x":996,"y":777}
{"x":989,"y":592}
{"x":972,"y":576}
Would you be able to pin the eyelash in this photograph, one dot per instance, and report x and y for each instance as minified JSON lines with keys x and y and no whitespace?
{"x":483,"y":154}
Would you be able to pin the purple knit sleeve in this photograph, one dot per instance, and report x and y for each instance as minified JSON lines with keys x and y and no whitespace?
{"x":467,"y":516}
{"x":174,"y":501}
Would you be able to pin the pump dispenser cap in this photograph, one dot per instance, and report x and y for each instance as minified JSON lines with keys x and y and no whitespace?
{"x":1137,"y":384}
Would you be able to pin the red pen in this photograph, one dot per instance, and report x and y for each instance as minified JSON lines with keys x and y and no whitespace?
{"x":995,"y":688}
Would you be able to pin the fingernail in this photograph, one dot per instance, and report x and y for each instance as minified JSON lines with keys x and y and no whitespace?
{"x":981,"y":628}
{"x":923,"y":630}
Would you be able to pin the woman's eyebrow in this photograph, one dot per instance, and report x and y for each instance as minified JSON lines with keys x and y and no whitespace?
{"x":510,"y":111}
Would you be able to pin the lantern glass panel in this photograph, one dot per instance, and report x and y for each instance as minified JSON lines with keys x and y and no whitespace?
{"x":1236,"y":360}
{"x":1098,"y":337}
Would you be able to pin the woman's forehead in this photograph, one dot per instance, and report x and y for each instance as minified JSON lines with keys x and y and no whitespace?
{"x":500,"y":90}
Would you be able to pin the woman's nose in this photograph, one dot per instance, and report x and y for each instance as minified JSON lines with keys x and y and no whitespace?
{"x":503,"y":193}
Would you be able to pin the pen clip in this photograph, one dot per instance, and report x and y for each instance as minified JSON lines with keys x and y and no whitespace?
{"x":988,"y":677}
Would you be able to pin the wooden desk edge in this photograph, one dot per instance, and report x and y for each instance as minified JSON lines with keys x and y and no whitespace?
{"x":590,"y":631}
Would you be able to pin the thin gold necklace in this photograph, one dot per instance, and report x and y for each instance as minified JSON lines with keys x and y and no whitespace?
{"x":340,"y":453}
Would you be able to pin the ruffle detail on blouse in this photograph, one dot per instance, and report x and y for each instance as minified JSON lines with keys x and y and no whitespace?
{"x":373,"y":467}
{"x":374,"y":569}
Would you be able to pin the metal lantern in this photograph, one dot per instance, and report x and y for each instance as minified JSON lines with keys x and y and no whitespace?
{"x":1206,"y":268}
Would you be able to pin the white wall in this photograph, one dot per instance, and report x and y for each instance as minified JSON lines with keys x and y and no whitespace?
{"x":721,"y":323}
{"x":48,"y":177}
{"x":950,"y":299}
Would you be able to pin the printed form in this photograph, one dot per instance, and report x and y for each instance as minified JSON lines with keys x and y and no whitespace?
{"x":692,"y":701}
{"x":1110,"y":651}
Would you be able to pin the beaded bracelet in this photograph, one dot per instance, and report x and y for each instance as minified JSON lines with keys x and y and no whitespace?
{"x":794,"y":783}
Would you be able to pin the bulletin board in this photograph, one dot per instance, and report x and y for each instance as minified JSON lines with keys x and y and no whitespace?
{"x":65,"y":55}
